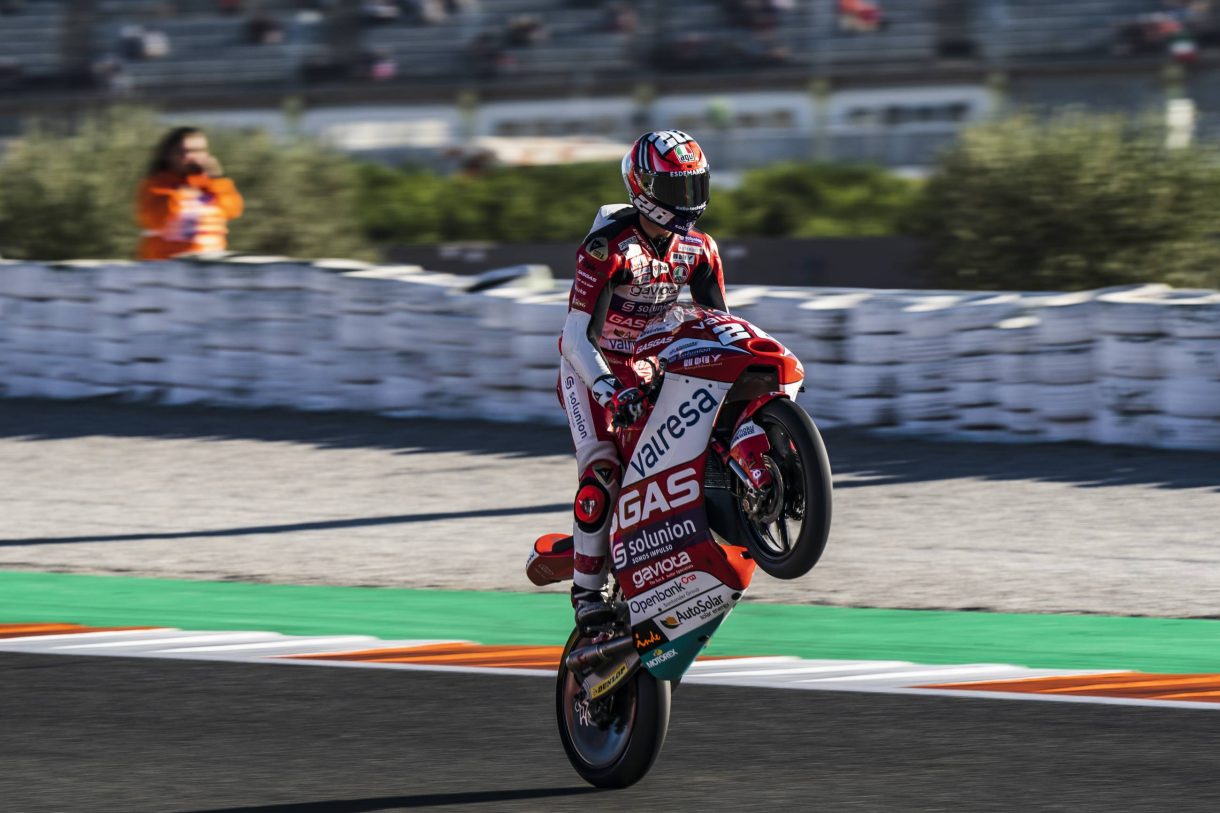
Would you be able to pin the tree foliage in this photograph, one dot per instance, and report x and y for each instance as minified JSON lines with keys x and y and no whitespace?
{"x":1071,"y":203}
{"x":68,"y":194}
{"x":557,"y":203}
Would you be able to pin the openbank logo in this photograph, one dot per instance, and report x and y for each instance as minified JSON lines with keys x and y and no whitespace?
{"x":660,"y":569}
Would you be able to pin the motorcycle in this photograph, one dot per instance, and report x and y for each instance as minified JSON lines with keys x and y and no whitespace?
{"x":725,"y":473}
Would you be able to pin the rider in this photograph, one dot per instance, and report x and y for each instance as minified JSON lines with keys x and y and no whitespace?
{"x":629,"y":269}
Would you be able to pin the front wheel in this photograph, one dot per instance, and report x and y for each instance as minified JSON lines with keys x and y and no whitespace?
{"x":787,"y":525}
{"x":613,"y":741}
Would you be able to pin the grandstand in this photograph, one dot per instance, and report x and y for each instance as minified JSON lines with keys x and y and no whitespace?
{"x":30,"y":42}
{"x":204,"y":55}
{"x":209,"y":48}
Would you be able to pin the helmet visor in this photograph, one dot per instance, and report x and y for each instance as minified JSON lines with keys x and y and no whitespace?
{"x":682,"y":193}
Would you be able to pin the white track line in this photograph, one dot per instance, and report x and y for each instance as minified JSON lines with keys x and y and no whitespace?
{"x":773,"y":672}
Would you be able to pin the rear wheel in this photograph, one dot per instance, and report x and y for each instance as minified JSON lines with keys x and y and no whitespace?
{"x":787,"y":524}
{"x":613,"y":741}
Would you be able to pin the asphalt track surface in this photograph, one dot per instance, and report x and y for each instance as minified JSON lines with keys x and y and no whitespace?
{"x":361,"y":500}
{"x":115,"y":734}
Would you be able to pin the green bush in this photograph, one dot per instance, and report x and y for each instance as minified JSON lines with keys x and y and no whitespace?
{"x":1072,"y":203}
{"x":66,"y":195}
{"x":519,"y":204}
{"x":813,"y":200}
{"x":70,"y":194}
{"x":550,"y":204}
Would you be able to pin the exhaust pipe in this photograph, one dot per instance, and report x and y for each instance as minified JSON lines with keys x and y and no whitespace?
{"x":587,"y":657}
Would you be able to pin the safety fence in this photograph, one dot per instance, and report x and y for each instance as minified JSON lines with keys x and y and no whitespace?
{"x":1137,"y":366}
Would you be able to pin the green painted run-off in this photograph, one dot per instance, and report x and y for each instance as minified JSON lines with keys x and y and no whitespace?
{"x":1040,"y":641}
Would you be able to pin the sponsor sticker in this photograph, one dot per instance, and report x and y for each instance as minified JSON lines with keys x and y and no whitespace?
{"x":670,"y":594}
{"x":576,"y":415}
{"x":618,"y":554}
{"x":642,"y":348}
{"x":696,"y":612}
{"x":598,"y":249}
{"x":659,"y":569}
{"x":616,"y":345}
{"x":610,"y":682}
{"x":670,"y":534}
{"x":659,"y":656}
{"x":639,"y":502}
{"x":681,"y":273}
{"x":647,"y":636}
{"x":649,"y":451}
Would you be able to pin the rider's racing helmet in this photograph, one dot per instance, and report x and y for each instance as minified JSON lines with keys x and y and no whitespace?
{"x":667,"y":178}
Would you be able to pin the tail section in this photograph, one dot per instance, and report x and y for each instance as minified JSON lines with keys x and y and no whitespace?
{"x":551,"y":559}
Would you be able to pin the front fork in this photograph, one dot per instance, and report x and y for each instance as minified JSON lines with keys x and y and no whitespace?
{"x":745,"y":455}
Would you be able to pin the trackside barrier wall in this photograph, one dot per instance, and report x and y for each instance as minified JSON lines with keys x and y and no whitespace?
{"x":1137,"y":366}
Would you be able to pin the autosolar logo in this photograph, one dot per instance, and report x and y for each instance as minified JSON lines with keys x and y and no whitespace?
{"x":701,"y":608}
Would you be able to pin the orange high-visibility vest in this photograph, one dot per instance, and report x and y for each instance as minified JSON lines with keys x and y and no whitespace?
{"x":185,"y":214}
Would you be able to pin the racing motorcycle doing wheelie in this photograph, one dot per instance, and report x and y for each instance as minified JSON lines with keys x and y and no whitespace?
{"x":726,"y":473}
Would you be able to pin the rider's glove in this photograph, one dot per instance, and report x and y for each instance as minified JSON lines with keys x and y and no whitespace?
{"x":627,"y":405}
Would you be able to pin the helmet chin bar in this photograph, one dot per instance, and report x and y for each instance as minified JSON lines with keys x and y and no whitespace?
{"x":674,"y":222}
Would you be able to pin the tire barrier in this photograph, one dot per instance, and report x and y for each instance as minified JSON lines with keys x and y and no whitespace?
{"x":1137,"y":365}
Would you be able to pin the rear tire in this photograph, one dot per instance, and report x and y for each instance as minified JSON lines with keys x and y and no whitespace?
{"x":621,"y":752}
{"x":799,"y":457}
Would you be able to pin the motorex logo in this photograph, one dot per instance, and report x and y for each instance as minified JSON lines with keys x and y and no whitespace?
{"x":659,"y":656}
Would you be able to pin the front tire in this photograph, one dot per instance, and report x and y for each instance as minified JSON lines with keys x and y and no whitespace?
{"x":786,"y":536}
{"x":614,"y":745}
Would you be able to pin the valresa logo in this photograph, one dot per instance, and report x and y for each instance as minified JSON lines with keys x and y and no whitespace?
{"x":660,"y":569}
{"x":688,"y":414}
{"x":637,"y":503}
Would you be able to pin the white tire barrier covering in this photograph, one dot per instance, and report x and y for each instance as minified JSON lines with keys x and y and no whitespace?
{"x":1138,"y":365}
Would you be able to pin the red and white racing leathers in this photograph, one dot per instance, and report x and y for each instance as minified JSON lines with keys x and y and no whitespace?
{"x":622,"y":281}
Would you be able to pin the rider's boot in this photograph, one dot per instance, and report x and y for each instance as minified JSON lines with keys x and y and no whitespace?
{"x":591,"y":609}
{"x":595,"y":497}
